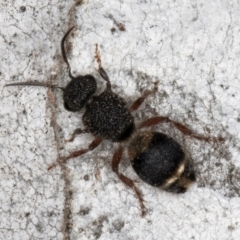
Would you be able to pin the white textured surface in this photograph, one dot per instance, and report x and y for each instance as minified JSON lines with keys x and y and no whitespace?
{"x":191,"y":48}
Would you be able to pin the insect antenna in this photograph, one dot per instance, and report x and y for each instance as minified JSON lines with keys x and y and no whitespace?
{"x":34,"y":84}
{"x":64,"y":53}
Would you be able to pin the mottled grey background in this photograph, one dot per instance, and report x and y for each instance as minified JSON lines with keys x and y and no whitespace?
{"x":190,"y":47}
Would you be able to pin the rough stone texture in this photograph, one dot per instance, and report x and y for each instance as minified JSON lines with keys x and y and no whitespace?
{"x":190,"y":48}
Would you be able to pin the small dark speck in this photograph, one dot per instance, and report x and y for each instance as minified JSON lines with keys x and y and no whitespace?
{"x":100,"y":220}
{"x":27,"y":214}
{"x":70,"y":192}
{"x":230,"y":228}
{"x":113,"y":30}
{"x":84,"y":211}
{"x":86,"y":177}
{"x":118,"y":225}
{"x":79,"y":2}
{"x":40,"y":228}
{"x":218,"y":164}
{"x":24,"y":112}
{"x":97,"y":234}
{"x":50,"y":214}
{"x":121,"y":27}
{"x":22,"y":8}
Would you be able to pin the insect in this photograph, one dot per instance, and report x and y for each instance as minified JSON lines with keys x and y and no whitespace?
{"x":156,"y":158}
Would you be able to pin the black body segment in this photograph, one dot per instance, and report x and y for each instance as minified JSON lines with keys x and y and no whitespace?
{"x":107,"y":116}
{"x":159,"y":160}
{"x":78,"y":91}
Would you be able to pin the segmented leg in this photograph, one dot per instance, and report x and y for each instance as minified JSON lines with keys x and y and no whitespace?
{"x":76,"y":132}
{"x":101,"y":71}
{"x":95,"y":143}
{"x":136,"y":104}
{"x":127,"y":181}
{"x":185,"y":130}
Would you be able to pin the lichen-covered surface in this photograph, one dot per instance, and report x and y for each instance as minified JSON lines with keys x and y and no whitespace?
{"x":190,"y":47}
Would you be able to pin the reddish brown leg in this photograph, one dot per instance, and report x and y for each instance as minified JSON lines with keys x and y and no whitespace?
{"x":156,"y":120}
{"x":75,"y":154}
{"x":101,"y":71}
{"x":127,"y":181}
{"x":136,"y":104}
{"x":76,"y":132}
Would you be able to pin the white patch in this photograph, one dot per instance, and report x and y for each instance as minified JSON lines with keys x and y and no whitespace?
{"x":175,"y":176}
